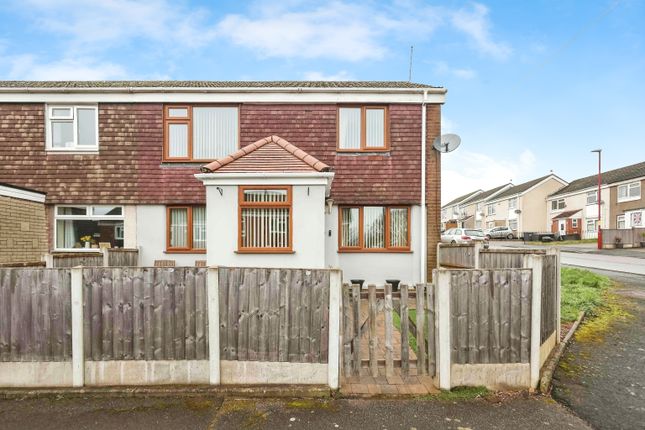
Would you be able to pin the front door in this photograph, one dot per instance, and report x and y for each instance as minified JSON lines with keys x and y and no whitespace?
{"x":562,"y":226}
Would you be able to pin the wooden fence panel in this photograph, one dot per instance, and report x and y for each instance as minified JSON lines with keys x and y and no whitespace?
{"x":123,"y":257}
{"x":274,"y":314}
{"x":78,"y":259}
{"x":457,"y":256}
{"x":549,"y":314}
{"x":144,"y":313}
{"x":490,"y":316}
{"x":35,"y":316}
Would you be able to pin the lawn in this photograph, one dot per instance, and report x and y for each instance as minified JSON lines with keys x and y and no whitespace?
{"x":582,"y":290}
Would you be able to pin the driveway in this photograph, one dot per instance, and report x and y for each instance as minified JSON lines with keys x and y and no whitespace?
{"x":519,"y":411}
{"x":602,"y":378}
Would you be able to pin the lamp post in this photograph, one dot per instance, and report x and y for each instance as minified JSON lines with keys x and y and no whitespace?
{"x":599,"y":151}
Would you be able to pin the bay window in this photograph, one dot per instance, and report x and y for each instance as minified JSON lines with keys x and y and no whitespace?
{"x":265,"y":219}
{"x":362,"y":128}
{"x":200,"y":133}
{"x":374,"y":228}
{"x":186,"y":229}
{"x":81,"y":227}
{"x":72,"y":128}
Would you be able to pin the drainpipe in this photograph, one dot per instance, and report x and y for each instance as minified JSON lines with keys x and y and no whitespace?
{"x":424,"y":212}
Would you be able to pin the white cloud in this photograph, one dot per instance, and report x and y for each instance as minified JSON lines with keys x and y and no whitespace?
{"x":443,"y":69}
{"x":28,"y":67}
{"x":475,"y":23}
{"x":465,"y":73}
{"x":464,"y":171}
{"x":343,"y":75}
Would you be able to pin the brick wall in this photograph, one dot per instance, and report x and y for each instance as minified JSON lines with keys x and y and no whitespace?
{"x":433,"y":185}
{"x":23,"y":234}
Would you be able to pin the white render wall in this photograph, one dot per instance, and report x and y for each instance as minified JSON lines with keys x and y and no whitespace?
{"x":375,"y":267}
{"x":151,"y":237}
{"x":308,"y":214}
{"x":579,"y":201}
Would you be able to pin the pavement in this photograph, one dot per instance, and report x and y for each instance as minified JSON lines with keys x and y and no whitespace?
{"x":515,"y":411}
{"x":602,"y":378}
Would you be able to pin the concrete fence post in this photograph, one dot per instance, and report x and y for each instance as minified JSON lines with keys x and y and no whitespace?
{"x":49,"y":260}
{"x":438,"y":255}
{"x":106,"y":257}
{"x":558,"y":291}
{"x":442,"y":294}
{"x":535,"y":262}
{"x":477,"y":250}
{"x":213,"y":325}
{"x":333,"y":366}
{"x":78,"y":363}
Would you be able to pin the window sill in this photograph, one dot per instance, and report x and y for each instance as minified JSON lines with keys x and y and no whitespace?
{"x":185,"y":251}
{"x":363,"y":152}
{"x":264,"y":251}
{"x":76,"y":151}
{"x":375,"y":251}
{"x":631,"y":199}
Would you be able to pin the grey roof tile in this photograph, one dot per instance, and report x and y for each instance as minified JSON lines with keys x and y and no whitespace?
{"x":612,"y":176}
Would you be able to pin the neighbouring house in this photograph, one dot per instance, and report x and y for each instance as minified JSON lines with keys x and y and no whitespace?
{"x":574,"y":208}
{"x":23,"y":237}
{"x":120,"y":163}
{"x":453,"y":213}
{"x":475,"y":208}
{"x":521,"y":207}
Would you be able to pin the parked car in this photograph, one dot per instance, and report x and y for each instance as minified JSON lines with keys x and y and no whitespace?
{"x":499,"y":233}
{"x":463,"y":235}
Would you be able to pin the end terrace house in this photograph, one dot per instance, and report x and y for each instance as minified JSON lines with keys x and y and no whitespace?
{"x":309,"y":174}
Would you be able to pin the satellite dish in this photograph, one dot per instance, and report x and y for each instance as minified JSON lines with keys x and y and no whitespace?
{"x":446,"y":142}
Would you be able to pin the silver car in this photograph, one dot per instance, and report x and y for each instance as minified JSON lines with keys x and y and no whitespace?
{"x":500,"y":233}
{"x":463,"y":235}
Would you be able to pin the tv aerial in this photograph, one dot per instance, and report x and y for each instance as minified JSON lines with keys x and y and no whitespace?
{"x":446,"y":142}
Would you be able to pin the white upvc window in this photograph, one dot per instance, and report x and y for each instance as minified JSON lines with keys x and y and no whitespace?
{"x":557,"y":205}
{"x":592,"y":225}
{"x":82,"y":227}
{"x":620,"y":221}
{"x":512,"y":203}
{"x":512,"y":224}
{"x":637,"y":219}
{"x":72,"y":128}
{"x":490,"y":209}
{"x":627,"y":192}
{"x":574,"y":223}
{"x":592,"y":197}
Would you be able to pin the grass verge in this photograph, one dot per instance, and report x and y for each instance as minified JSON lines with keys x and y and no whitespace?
{"x":582,"y":290}
{"x":460,"y":393}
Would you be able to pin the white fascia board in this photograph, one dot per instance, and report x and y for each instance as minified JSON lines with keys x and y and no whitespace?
{"x":18,"y":193}
{"x":221,"y":95}
{"x":274,"y":178}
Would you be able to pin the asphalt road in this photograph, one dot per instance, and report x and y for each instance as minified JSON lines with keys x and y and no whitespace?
{"x":602,"y":379}
{"x":522,"y":411}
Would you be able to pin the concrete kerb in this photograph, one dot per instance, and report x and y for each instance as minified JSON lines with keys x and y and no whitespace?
{"x":554,"y":359}
{"x":227,"y":391}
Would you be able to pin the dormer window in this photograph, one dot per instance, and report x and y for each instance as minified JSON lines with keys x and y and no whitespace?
{"x":72,"y":128}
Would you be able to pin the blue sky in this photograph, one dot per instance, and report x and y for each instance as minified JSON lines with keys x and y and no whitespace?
{"x":532,"y":86}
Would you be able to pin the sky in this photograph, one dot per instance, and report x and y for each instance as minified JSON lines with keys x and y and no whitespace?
{"x":532,"y":86}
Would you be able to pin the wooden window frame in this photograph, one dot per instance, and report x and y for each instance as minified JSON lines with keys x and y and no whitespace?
{"x":361,"y":240}
{"x":188,"y":120}
{"x":188,"y":249}
{"x":364,"y":109}
{"x":246,"y":205}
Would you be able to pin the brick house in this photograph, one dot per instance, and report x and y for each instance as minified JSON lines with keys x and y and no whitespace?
{"x":118,"y":161}
{"x":23,"y":237}
{"x":574,"y":208}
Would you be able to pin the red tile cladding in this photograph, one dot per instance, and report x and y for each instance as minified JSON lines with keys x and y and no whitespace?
{"x":271,"y":154}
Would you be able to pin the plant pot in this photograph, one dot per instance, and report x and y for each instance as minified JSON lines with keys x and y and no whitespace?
{"x":87,"y":244}
{"x":618,"y":245}
{"x":394,"y":282}
{"x":360,"y":282}
{"x":643,"y":244}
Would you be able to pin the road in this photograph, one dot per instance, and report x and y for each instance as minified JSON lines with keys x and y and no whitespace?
{"x":605,"y":262}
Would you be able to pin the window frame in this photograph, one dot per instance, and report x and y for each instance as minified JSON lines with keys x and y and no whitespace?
{"x":619,"y":220}
{"x":49,"y":117}
{"x":557,"y":205}
{"x":363,"y":148}
{"x":190,"y":249}
{"x":588,"y":194}
{"x":512,"y":203}
{"x":241,"y":204}
{"x":628,"y":188}
{"x":361,"y":239}
{"x":87,"y":217}
{"x":490,"y":212}
{"x":188,"y":120}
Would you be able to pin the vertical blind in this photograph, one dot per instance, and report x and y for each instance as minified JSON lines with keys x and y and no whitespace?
{"x":398,"y":227}
{"x":374,"y":227}
{"x":86,"y":126}
{"x":214,"y":132}
{"x":375,"y":128}
{"x":179,"y":228}
{"x":349,"y":227}
{"x":265,"y":227}
{"x":199,"y":227}
{"x":177,"y":140}
{"x":349,"y":128}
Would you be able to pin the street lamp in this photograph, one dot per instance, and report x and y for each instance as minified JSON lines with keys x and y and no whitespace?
{"x":599,"y":151}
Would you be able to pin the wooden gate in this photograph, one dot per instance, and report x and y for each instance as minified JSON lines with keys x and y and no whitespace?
{"x":383,"y":329}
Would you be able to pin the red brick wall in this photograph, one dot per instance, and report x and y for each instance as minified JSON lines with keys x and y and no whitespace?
{"x":433,"y":185}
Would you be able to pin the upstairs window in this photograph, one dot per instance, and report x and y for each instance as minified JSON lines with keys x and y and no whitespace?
{"x":592,"y":197}
{"x":490,"y":209}
{"x":200,"y":133}
{"x":362,"y":129}
{"x":512,"y":203}
{"x":629,"y":192}
{"x":374,"y":229}
{"x":72,"y":128}
{"x":557,"y":204}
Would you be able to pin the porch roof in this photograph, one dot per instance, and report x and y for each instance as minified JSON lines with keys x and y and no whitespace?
{"x":566,"y":214}
{"x":271,"y":154}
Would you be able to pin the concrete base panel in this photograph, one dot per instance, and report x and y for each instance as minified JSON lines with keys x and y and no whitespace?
{"x":264,"y":372}
{"x":547,"y":347}
{"x":492,"y":376}
{"x":36,"y":374}
{"x":135,"y":372}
